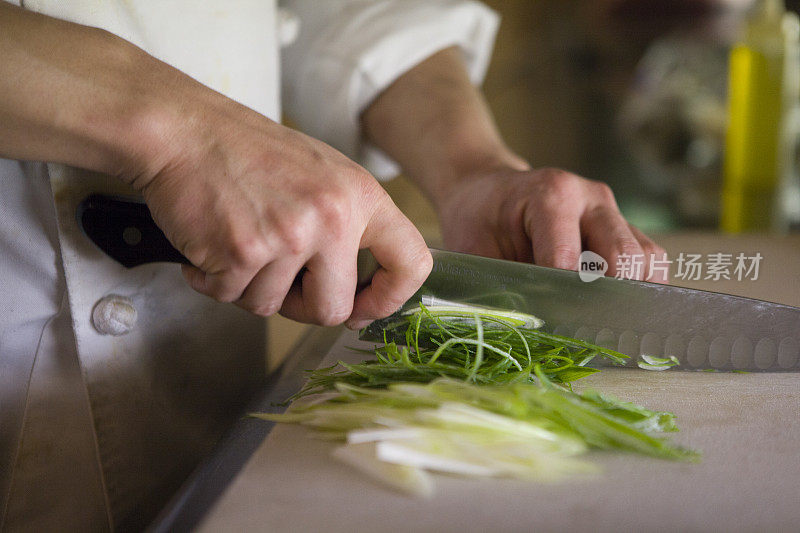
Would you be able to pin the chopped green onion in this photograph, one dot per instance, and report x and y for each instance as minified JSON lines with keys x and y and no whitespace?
{"x":408,"y":479}
{"x":651,"y":362}
{"x":519,"y":430}
{"x":464,"y":342}
{"x":476,"y":392}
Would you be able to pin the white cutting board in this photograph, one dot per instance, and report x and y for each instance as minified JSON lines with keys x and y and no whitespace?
{"x":747,"y":425}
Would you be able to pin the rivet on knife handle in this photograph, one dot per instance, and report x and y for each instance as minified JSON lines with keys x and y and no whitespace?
{"x":124,"y":229}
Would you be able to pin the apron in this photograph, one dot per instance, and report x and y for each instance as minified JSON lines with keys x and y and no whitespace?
{"x":120,"y":407}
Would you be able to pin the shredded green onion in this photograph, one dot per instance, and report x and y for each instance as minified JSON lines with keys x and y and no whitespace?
{"x":476,"y":392}
{"x":651,"y":362}
{"x":469,"y":343}
{"x":519,"y":430}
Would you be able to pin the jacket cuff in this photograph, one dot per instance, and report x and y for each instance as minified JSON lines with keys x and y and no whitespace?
{"x":346,"y":67}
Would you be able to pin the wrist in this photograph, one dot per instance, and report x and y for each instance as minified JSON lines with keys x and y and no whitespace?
{"x":456,"y":143}
{"x":139,"y":117}
{"x":147,"y":118}
{"x":107,"y":112}
{"x":437,"y":125}
{"x":466,"y":160}
{"x":84,"y":97}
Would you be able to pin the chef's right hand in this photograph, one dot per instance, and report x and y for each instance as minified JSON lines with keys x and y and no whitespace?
{"x":250,"y":203}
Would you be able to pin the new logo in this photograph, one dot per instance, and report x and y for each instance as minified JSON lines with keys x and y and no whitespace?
{"x":591,"y":266}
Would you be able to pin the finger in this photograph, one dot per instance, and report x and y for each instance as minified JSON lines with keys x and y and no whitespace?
{"x":608,"y":234}
{"x":481,"y":243}
{"x":224,"y":286}
{"x":194,"y":277}
{"x":327,"y":289}
{"x":514,"y":245}
{"x":265,"y":294}
{"x":405,"y":263}
{"x":517,"y":245}
{"x":556,"y":236}
{"x":656,"y":257}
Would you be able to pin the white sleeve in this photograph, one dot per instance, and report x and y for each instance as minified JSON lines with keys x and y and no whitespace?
{"x":348,"y":51}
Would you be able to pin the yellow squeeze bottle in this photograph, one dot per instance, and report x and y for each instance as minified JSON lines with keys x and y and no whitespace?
{"x":762,"y":95}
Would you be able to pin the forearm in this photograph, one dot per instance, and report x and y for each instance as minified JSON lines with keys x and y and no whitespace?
{"x":438,"y":127}
{"x":250,"y":203}
{"x":76,"y":95}
{"x":436,"y":124}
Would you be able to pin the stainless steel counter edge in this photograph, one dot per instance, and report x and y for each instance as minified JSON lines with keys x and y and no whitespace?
{"x":207,"y":483}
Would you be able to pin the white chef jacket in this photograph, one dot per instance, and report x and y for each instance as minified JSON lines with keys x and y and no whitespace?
{"x":97,"y":430}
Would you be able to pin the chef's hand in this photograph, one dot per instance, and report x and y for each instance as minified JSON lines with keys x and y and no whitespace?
{"x":435,"y":123}
{"x":547,"y":216}
{"x":248,"y":201}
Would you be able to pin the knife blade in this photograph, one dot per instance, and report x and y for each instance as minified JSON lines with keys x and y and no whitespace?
{"x":704,"y":330}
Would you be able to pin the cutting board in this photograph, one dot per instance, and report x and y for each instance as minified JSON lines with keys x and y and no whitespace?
{"x":746,"y":425}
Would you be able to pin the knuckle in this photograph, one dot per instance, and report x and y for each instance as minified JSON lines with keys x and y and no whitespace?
{"x":604,"y":193}
{"x":418,"y":262}
{"x":418,"y":259}
{"x":333,"y":315}
{"x":247,"y":250}
{"x":389,"y":305}
{"x":333,"y":208}
{"x":564,"y":256}
{"x":265,"y":309}
{"x":296,"y":232}
{"x":332,"y":320}
{"x":560,"y":183}
{"x":224,"y":295}
{"x":424,"y":264}
{"x":197,"y":253}
{"x":629,"y":246}
{"x":553,"y":174}
{"x":372,"y":193}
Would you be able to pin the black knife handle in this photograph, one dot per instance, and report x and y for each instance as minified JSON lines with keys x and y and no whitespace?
{"x":124,"y":229}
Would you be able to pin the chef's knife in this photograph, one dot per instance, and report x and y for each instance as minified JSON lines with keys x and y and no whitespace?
{"x":705,"y":330}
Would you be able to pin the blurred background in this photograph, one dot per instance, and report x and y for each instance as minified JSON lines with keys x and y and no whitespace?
{"x":630,"y":92}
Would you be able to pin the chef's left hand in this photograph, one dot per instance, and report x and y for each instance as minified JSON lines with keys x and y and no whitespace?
{"x":546,"y":216}
{"x":436,"y":124}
